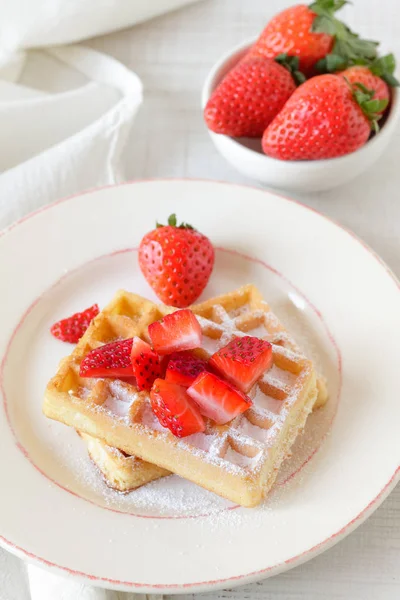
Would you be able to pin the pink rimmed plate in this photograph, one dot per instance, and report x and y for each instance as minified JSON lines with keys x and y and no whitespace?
{"x":332,"y":292}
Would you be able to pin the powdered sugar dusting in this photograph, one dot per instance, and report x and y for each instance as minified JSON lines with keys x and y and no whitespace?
{"x":253,"y":431}
{"x":240,"y":459}
{"x":266,"y":402}
{"x":258,"y":331}
{"x":210,"y":345}
{"x":150,"y":420}
{"x":286,"y":378}
{"x":200,"y":441}
{"x":117,"y":407}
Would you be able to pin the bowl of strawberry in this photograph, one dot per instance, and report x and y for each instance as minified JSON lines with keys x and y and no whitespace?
{"x":307,"y":106}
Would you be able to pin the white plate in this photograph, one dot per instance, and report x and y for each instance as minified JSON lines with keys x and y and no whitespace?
{"x":333,"y":292}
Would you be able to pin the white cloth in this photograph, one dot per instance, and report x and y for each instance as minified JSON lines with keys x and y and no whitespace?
{"x":65,"y":112}
{"x":35,"y":23}
{"x":65,"y":116}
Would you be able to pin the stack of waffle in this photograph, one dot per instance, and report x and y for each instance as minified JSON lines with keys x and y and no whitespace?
{"x":238,"y":461}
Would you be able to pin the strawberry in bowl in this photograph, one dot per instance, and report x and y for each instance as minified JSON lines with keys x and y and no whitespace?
{"x":323,"y":45}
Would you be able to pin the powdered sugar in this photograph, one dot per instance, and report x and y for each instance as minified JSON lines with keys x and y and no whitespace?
{"x":150,"y":420}
{"x":116,"y":406}
{"x":266,"y":402}
{"x":285,"y":378}
{"x":201,"y":441}
{"x":211,"y":345}
{"x":239,"y":459}
{"x":253,"y":431}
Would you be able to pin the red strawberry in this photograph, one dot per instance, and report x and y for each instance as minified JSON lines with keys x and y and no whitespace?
{"x":311,"y":33}
{"x":363,"y":75}
{"x":110,"y":360}
{"x":250,"y":96}
{"x":175,"y":332}
{"x":324,"y":118}
{"x":177,"y":262}
{"x":72,"y":329}
{"x":184,"y":367}
{"x":243,"y":361}
{"x":174,"y":409}
{"x":290,"y":31}
{"x":217,"y":399}
{"x":145,"y":363}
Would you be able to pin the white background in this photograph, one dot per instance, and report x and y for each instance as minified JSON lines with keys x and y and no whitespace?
{"x":172,"y":55}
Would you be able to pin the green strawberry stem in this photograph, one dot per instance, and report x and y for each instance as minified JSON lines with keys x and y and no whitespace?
{"x":371,"y":107}
{"x":384,"y":67}
{"x":291,"y":63}
{"x":173,"y":222}
{"x":348,"y":47}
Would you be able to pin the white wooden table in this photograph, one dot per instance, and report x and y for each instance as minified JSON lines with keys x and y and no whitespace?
{"x":172,"y":55}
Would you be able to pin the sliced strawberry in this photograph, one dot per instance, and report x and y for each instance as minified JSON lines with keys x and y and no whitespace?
{"x":145,"y":363}
{"x":243,"y":361}
{"x":174,"y":409}
{"x":72,"y":328}
{"x":217,"y":399}
{"x":184,"y":367}
{"x":110,"y":360}
{"x":175,"y":332}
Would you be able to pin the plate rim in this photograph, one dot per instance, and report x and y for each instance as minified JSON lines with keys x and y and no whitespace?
{"x":243,"y":578}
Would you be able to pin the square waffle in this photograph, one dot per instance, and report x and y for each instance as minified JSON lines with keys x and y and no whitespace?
{"x":239,"y":460}
{"x":121,"y":472}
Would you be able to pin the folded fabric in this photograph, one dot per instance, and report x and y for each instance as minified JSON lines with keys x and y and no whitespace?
{"x":36,"y":23}
{"x":65,"y":116}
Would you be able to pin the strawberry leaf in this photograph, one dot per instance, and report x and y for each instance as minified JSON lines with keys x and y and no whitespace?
{"x":371,"y":107}
{"x":384,"y":67}
{"x":328,"y":6}
{"x":291,"y":63}
{"x":173,"y":222}
{"x":348,"y":45}
{"x":331,"y":63}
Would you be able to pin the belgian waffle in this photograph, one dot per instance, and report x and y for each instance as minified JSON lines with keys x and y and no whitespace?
{"x":120,"y":471}
{"x":240,"y":460}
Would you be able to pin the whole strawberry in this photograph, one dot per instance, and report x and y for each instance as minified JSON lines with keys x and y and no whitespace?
{"x":312,"y":33}
{"x":326,"y":117}
{"x":251,"y":95}
{"x":177,"y":261}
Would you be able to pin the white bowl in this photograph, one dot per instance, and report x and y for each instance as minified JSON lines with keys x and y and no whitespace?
{"x":246,"y":155}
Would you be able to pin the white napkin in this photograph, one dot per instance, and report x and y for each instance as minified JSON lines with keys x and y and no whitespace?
{"x":65,"y":115}
{"x":45,"y":586}
{"x":34,"y":23}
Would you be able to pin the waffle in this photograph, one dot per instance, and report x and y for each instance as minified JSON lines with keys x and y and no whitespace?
{"x":240,"y":460}
{"x":121,"y":472}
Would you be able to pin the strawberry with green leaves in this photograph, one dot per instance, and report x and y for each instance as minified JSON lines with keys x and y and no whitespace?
{"x":315,"y":36}
{"x":177,"y":261}
{"x":377,"y":75}
{"x":251,"y":95}
{"x":326,"y":117}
